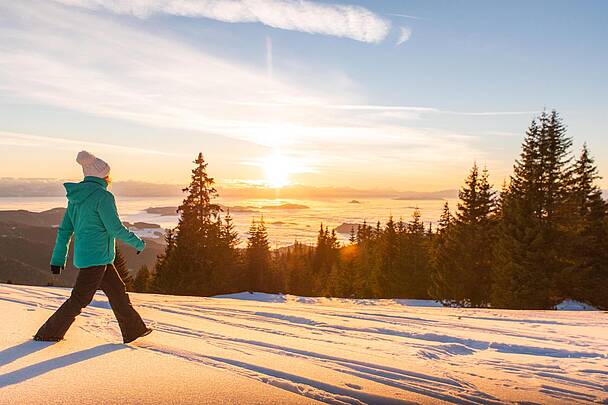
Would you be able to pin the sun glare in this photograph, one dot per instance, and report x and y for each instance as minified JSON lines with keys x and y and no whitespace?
{"x":277,"y":169}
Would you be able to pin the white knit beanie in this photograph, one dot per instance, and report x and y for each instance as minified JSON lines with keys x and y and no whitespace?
{"x":92,"y":165}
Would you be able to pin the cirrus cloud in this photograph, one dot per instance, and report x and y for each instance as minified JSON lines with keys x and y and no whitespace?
{"x":346,"y":21}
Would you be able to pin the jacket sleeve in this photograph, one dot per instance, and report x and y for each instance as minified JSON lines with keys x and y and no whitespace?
{"x":109,"y":216}
{"x":62,"y":242}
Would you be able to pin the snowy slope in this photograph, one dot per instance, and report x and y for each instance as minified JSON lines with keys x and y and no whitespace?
{"x":285,"y":349}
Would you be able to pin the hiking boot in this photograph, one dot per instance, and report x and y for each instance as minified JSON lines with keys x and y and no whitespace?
{"x":145,"y":333}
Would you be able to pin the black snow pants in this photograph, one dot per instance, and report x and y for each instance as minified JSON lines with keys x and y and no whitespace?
{"x":89,"y":280}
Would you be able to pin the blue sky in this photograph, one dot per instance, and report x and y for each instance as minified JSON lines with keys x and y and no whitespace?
{"x":318,"y":93}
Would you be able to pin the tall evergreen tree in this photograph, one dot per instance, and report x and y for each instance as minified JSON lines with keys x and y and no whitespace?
{"x":201,"y":250}
{"x":463,"y":262}
{"x":531,"y":237}
{"x":586,"y":278}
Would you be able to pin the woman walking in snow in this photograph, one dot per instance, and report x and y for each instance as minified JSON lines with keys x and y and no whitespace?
{"x":91,"y":217}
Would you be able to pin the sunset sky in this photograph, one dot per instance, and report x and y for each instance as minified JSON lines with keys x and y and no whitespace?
{"x":365,"y":94}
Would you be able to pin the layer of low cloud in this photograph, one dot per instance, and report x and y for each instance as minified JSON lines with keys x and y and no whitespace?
{"x":42,"y":187}
{"x":346,"y":21}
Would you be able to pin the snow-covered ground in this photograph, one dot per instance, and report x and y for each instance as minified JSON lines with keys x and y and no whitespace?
{"x":284,"y":349}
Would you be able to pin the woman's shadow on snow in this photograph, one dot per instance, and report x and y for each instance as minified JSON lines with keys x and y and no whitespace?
{"x":24,"y":349}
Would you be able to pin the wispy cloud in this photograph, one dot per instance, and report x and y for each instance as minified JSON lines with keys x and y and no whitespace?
{"x":411,"y":17}
{"x":405,"y":34}
{"x":67,"y":58}
{"x":347,"y":21}
{"x":54,"y":142}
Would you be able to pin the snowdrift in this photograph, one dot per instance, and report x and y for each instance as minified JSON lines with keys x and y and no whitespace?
{"x":263,"y":348}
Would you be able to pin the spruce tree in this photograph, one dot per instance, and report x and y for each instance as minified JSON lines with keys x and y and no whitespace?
{"x":586,"y":278}
{"x":258,"y":264}
{"x":165,"y":280}
{"x":365,"y":280}
{"x":229,"y":278}
{"x":142,"y":280}
{"x":324,"y":259}
{"x":463,"y":250}
{"x":445,"y":220}
{"x":121,"y":266}
{"x":200,"y":251}
{"x":532,"y":238}
{"x":390,"y":275}
{"x":442,"y":256}
{"x":415,"y":255}
{"x":352,"y":238}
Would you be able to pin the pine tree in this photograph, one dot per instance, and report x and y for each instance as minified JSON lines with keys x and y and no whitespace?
{"x":165,"y":279}
{"x":201,"y":251}
{"x":415,"y":255}
{"x":365,"y":280}
{"x":531,"y":237}
{"x":324,"y":259}
{"x":352,"y":239}
{"x":295,"y":266}
{"x":586,"y":278}
{"x":445,"y":220}
{"x":258,"y":256}
{"x":463,"y":251}
{"x":229,"y":278}
{"x":142,"y":280}
{"x":121,"y":266}
{"x":442,"y":256}
{"x":390,"y":278}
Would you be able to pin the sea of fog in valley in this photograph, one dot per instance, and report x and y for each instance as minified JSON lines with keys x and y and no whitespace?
{"x":284,"y":222}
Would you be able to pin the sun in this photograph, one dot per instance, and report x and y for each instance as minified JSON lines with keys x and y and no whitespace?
{"x":276,"y":170}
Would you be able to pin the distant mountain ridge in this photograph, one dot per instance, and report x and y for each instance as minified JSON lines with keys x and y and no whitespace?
{"x":27,"y":240}
{"x":50,"y":217}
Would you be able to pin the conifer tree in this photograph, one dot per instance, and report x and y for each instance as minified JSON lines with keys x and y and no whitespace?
{"x":165,"y":280}
{"x":258,"y":265}
{"x":586,"y":278}
{"x":142,"y":280}
{"x":121,"y":266}
{"x":295,"y":265}
{"x":365,"y":263}
{"x":200,"y":251}
{"x":352,"y":239}
{"x":229,"y":278}
{"x":531,"y":238}
{"x":416,"y":259}
{"x":324,"y":259}
{"x":445,"y":220}
{"x":442,"y":255}
{"x":463,"y":262}
{"x":390,"y":278}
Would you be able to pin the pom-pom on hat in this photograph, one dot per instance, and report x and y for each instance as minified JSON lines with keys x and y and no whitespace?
{"x":92,"y":165}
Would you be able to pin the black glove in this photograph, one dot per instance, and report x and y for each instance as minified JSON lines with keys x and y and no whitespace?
{"x":139,"y":251}
{"x":56,"y":269}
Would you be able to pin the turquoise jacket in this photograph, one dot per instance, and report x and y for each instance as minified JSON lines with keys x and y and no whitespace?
{"x":92,"y":218}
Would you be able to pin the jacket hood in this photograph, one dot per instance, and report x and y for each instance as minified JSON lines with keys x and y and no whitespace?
{"x":79,"y":192}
